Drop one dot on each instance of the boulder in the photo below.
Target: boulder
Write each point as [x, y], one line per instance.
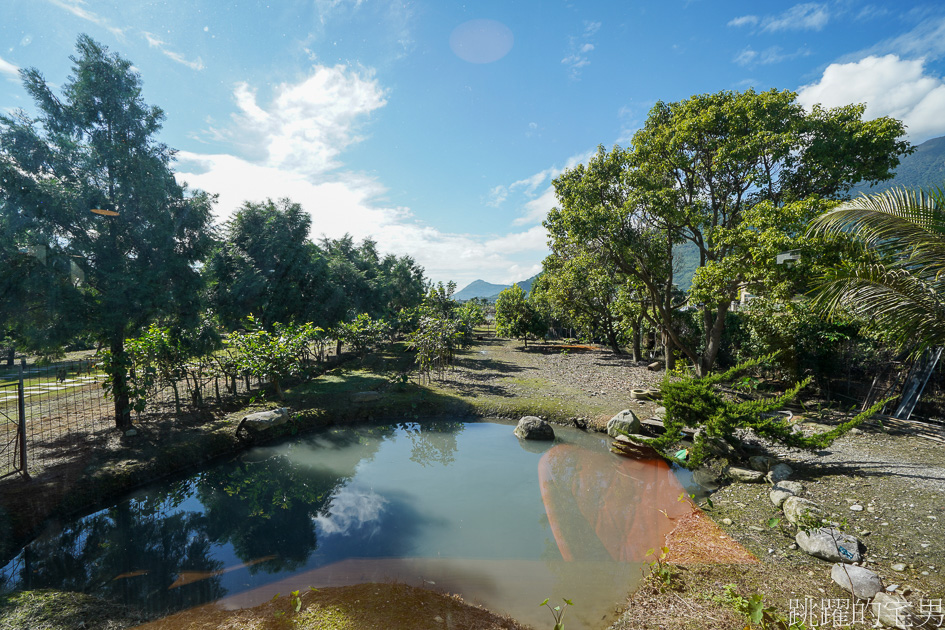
[534, 428]
[863, 583]
[797, 509]
[778, 473]
[829, 544]
[660, 412]
[263, 420]
[624, 423]
[761, 462]
[795, 487]
[745, 475]
[779, 495]
[365, 397]
[893, 610]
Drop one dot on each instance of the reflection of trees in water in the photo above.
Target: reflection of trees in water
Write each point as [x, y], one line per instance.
[433, 442]
[133, 552]
[265, 509]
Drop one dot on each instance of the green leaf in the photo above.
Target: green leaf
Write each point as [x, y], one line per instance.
[543, 603]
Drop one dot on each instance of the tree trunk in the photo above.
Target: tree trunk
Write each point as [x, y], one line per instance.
[120, 383]
[612, 340]
[637, 333]
[714, 326]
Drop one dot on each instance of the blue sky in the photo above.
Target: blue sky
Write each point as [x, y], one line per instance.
[436, 127]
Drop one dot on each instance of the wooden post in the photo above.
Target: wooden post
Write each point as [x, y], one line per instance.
[21, 412]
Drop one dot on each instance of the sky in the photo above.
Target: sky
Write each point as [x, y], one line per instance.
[436, 127]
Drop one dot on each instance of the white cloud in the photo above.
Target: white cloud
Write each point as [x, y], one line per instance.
[579, 48]
[890, 86]
[801, 17]
[154, 42]
[745, 20]
[293, 148]
[537, 209]
[9, 70]
[497, 196]
[927, 40]
[76, 8]
[308, 124]
[809, 16]
[770, 55]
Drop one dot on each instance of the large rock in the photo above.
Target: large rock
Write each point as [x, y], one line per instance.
[794, 487]
[745, 475]
[263, 420]
[624, 423]
[894, 611]
[829, 544]
[863, 583]
[797, 510]
[778, 473]
[534, 428]
[783, 490]
[761, 462]
[706, 478]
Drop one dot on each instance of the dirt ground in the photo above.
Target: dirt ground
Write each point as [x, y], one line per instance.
[896, 472]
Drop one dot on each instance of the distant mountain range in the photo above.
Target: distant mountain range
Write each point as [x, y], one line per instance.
[489, 291]
[922, 169]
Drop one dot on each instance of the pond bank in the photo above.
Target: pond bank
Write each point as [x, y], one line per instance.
[499, 378]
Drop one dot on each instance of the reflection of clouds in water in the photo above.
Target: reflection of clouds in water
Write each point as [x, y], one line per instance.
[481, 41]
[352, 508]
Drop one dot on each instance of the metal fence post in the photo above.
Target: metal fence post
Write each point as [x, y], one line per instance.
[21, 412]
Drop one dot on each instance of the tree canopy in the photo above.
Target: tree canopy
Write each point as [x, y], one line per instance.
[721, 171]
[87, 180]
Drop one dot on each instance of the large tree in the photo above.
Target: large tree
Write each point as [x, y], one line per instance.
[88, 180]
[711, 170]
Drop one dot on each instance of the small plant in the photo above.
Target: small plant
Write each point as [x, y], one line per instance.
[295, 600]
[755, 612]
[557, 611]
[660, 568]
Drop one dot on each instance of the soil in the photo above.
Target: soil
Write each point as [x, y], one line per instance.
[895, 471]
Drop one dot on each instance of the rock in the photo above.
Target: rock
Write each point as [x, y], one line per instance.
[131, 432]
[898, 567]
[778, 496]
[797, 509]
[263, 420]
[655, 366]
[744, 475]
[761, 462]
[534, 428]
[365, 397]
[893, 610]
[716, 446]
[779, 473]
[660, 412]
[726, 521]
[856, 507]
[624, 423]
[829, 544]
[795, 487]
[863, 583]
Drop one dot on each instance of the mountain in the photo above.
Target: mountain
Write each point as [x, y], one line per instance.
[922, 169]
[483, 289]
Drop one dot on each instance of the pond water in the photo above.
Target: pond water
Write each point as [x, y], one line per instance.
[461, 507]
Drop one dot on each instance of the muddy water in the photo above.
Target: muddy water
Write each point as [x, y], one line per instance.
[462, 507]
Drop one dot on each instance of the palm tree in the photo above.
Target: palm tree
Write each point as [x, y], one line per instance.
[898, 285]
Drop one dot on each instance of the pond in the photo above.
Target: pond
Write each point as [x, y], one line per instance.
[461, 507]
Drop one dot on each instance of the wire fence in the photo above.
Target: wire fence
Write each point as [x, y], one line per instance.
[63, 406]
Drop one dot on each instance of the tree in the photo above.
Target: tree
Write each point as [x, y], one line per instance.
[699, 170]
[88, 180]
[898, 287]
[516, 317]
[268, 266]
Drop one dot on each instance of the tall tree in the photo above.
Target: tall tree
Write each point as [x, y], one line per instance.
[87, 179]
[267, 266]
[696, 172]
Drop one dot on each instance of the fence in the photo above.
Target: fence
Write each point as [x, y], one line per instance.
[49, 411]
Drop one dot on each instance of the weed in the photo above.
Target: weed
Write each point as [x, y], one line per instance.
[660, 568]
[557, 611]
[754, 611]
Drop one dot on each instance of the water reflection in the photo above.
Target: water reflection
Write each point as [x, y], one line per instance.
[461, 505]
